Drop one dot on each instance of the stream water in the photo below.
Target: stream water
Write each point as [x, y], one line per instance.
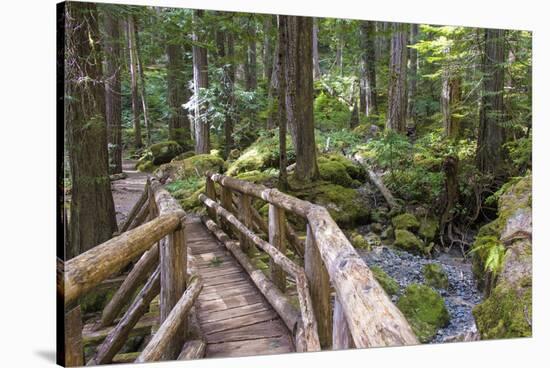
[460, 297]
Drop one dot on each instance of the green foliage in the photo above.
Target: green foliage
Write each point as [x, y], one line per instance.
[330, 113]
[491, 250]
[390, 151]
[358, 241]
[406, 221]
[406, 240]
[425, 310]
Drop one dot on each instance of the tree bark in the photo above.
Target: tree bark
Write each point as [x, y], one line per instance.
[92, 212]
[229, 118]
[130, 33]
[251, 78]
[142, 90]
[367, 102]
[297, 61]
[316, 65]
[450, 98]
[397, 91]
[113, 100]
[178, 121]
[200, 78]
[491, 133]
[268, 49]
[413, 68]
[281, 91]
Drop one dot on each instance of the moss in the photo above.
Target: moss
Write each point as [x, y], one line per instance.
[387, 282]
[258, 177]
[95, 301]
[184, 155]
[506, 313]
[335, 172]
[425, 310]
[387, 233]
[405, 221]
[373, 240]
[262, 154]
[145, 166]
[344, 204]
[435, 276]
[354, 170]
[193, 166]
[428, 228]
[164, 152]
[406, 240]
[359, 242]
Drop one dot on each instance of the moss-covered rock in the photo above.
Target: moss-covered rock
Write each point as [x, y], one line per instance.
[184, 155]
[506, 313]
[145, 166]
[406, 240]
[373, 240]
[262, 154]
[344, 204]
[428, 228]
[387, 282]
[435, 276]
[164, 152]
[196, 165]
[334, 172]
[259, 177]
[358, 241]
[425, 310]
[387, 233]
[405, 221]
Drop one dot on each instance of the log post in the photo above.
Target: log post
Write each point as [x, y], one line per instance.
[245, 215]
[170, 329]
[211, 193]
[173, 274]
[227, 203]
[135, 278]
[136, 209]
[341, 337]
[277, 239]
[74, 352]
[319, 283]
[141, 216]
[117, 337]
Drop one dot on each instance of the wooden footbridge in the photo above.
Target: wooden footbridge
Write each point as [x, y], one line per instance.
[194, 290]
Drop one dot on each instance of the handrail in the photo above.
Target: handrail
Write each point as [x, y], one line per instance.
[372, 318]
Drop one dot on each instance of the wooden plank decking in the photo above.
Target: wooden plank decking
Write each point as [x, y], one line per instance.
[234, 316]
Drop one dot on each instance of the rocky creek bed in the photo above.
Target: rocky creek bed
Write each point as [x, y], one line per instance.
[460, 297]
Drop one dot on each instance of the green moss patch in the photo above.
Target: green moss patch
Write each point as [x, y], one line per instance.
[358, 241]
[425, 310]
[387, 282]
[435, 276]
[406, 240]
[406, 221]
[428, 228]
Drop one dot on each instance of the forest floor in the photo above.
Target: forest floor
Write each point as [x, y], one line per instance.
[127, 191]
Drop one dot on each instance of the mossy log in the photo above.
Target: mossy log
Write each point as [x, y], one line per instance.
[279, 301]
[162, 340]
[379, 184]
[131, 283]
[84, 272]
[117, 337]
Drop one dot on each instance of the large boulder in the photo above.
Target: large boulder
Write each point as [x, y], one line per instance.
[503, 264]
[157, 154]
[196, 165]
[425, 310]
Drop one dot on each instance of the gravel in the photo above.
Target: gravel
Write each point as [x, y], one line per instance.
[461, 296]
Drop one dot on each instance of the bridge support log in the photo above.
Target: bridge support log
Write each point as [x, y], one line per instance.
[84, 272]
[167, 333]
[277, 239]
[117, 337]
[136, 209]
[372, 318]
[131, 283]
[192, 349]
[341, 337]
[245, 215]
[227, 203]
[141, 216]
[74, 351]
[319, 282]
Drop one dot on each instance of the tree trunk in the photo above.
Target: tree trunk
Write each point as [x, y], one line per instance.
[142, 90]
[130, 32]
[92, 213]
[297, 61]
[491, 133]
[450, 98]
[268, 49]
[113, 101]
[367, 102]
[273, 92]
[316, 66]
[281, 89]
[250, 67]
[230, 85]
[178, 121]
[413, 68]
[397, 91]
[200, 78]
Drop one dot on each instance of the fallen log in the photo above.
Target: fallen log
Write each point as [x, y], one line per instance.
[172, 324]
[117, 337]
[379, 184]
[84, 272]
[135, 278]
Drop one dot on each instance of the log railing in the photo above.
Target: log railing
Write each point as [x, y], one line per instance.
[160, 254]
[363, 315]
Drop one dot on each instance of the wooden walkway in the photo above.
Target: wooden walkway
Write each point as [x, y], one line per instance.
[233, 315]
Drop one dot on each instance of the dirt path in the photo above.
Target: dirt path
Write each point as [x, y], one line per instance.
[126, 192]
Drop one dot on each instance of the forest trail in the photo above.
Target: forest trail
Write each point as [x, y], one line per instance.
[234, 316]
[127, 191]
